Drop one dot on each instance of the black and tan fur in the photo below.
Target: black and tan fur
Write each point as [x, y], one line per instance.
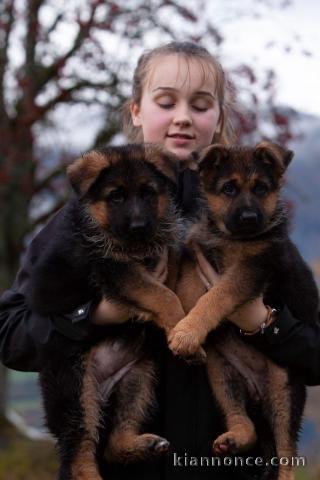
[243, 233]
[121, 220]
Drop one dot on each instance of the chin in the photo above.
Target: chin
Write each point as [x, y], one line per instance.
[182, 154]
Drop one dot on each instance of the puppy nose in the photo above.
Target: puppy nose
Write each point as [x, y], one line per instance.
[247, 216]
[138, 226]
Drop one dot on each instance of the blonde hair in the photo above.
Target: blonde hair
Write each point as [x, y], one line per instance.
[209, 66]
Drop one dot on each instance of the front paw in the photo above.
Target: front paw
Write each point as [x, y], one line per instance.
[185, 341]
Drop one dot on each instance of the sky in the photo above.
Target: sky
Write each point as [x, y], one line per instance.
[286, 40]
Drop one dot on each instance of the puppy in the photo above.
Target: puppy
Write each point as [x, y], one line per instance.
[113, 232]
[243, 233]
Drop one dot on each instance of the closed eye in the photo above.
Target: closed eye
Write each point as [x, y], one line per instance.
[199, 109]
[166, 105]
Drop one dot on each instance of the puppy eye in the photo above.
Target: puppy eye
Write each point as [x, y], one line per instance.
[230, 189]
[147, 191]
[116, 196]
[260, 189]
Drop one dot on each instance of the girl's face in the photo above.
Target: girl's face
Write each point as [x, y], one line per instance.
[179, 108]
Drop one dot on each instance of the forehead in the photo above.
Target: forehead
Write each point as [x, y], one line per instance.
[187, 74]
[128, 172]
[242, 168]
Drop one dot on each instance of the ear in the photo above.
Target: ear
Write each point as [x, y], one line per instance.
[83, 172]
[164, 161]
[212, 157]
[273, 156]
[135, 114]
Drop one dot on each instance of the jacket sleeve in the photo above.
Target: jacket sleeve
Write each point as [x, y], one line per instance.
[25, 336]
[292, 344]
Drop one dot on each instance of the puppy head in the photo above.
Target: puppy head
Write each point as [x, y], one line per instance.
[126, 189]
[242, 186]
[84, 171]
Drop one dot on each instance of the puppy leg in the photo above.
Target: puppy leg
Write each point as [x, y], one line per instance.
[277, 408]
[72, 414]
[135, 399]
[164, 305]
[153, 297]
[229, 390]
[237, 286]
[84, 465]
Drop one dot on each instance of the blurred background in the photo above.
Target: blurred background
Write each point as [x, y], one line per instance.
[65, 71]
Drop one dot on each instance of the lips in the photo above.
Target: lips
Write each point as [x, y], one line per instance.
[183, 136]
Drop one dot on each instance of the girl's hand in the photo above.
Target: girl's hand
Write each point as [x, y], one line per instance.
[251, 315]
[206, 272]
[108, 312]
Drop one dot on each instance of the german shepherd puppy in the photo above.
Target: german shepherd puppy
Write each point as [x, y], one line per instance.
[113, 232]
[243, 233]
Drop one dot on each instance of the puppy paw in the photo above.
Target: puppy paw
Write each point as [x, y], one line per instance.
[185, 342]
[225, 444]
[198, 358]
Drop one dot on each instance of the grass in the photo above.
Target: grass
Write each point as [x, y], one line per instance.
[25, 459]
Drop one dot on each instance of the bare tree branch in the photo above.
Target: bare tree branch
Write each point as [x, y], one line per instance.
[65, 95]
[29, 79]
[54, 24]
[49, 73]
[47, 180]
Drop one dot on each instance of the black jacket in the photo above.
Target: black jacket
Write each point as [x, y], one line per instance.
[186, 414]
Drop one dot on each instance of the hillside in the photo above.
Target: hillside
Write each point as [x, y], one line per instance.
[303, 188]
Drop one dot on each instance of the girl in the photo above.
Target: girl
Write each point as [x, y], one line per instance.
[181, 101]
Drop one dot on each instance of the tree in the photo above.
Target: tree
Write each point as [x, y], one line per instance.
[55, 54]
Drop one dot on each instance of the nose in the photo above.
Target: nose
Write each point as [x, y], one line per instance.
[138, 226]
[182, 116]
[248, 217]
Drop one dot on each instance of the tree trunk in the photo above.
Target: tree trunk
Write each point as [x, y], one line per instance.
[17, 164]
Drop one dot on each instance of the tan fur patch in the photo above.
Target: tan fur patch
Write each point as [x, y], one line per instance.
[219, 207]
[162, 205]
[83, 171]
[241, 431]
[84, 466]
[99, 211]
[126, 443]
[155, 298]
[269, 203]
[190, 287]
[280, 401]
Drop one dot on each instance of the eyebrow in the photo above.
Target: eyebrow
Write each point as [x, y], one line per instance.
[172, 89]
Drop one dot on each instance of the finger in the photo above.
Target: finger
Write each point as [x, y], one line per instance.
[163, 277]
[161, 265]
[108, 312]
[203, 279]
[206, 268]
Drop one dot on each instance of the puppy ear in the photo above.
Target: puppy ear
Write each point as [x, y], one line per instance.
[164, 161]
[212, 157]
[273, 156]
[83, 172]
